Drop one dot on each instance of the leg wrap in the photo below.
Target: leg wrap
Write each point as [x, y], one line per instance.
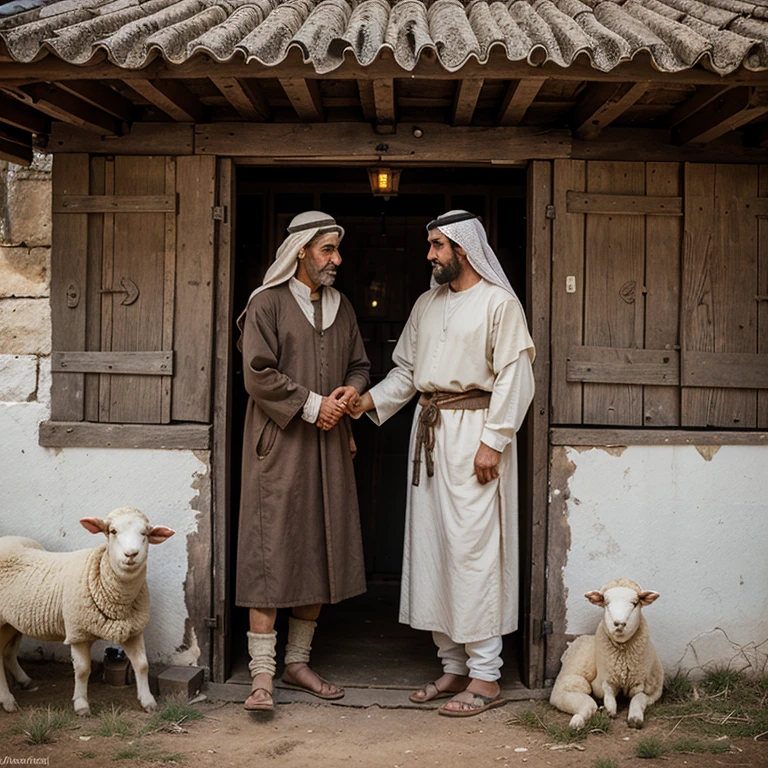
[299, 645]
[262, 651]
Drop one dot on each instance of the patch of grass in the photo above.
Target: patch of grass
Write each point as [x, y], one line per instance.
[176, 757]
[678, 687]
[605, 762]
[147, 754]
[530, 719]
[649, 748]
[721, 680]
[86, 755]
[599, 722]
[38, 725]
[176, 709]
[562, 734]
[113, 722]
[128, 753]
[698, 747]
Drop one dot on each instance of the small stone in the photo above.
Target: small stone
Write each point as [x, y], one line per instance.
[521, 749]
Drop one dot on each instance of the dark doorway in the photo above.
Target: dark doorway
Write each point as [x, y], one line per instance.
[384, 270]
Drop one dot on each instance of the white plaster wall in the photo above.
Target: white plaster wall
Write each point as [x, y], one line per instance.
[691, 524]
[45, 491]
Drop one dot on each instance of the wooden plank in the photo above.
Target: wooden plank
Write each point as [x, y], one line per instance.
[10, 134]
[171, 97]
[75, 434]
[696, 308]
[519, 96]
[762, 290]
[245, 96]
[138, 255]
[621, 437]
[703, 96]
[734, 283]
[614, 286]
[101, 97]
[465, 100]
[141, 139]
[613, 365]
[93, 297]
[68, 285]
[169, 285]
[195, 281]
[141, 363]
[631, 205]
[733, 109]
[439, 143]
[13, 112]
[107, 277]
[567, 307]
[113, 203]
[732, 370]
[539, 259]
[384, 101]
[365, 91]
[304, 96]
[601, 104]
[663, 256]
[15, 153]
[62, 105]
[222, 417]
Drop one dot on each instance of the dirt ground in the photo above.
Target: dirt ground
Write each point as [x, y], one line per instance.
[301, 735]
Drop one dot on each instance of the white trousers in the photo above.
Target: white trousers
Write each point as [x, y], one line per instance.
[480, 660]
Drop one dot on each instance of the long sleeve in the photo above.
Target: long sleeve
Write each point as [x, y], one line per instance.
[359, 368]
[276, 394]
[513, 386]
[397, 389]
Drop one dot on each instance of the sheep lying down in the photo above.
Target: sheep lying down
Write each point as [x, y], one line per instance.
[619, 659]
[78, 598]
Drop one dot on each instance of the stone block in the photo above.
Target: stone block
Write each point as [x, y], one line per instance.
[24, 272]
[25, 327]
[44, 380]
[18, 378]
[181, 681]
[28, 212]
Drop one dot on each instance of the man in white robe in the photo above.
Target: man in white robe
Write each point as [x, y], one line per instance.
[467, 349]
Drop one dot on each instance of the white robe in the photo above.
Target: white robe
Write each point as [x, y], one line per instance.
[460, 561]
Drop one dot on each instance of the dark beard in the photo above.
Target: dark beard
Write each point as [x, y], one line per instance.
[447, 273]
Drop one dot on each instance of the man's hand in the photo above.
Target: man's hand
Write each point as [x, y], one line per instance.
[347, 396]
[363, 404]
[331, 410]
[486, 464]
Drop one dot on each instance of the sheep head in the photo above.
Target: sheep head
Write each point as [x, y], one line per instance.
[129, 535]
[621, 601]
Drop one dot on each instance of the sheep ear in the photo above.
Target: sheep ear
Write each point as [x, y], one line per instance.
[94, 524]
[647, 597]
[159, 534]
[595, 597]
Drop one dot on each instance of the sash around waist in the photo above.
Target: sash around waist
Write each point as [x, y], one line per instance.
[471, 400]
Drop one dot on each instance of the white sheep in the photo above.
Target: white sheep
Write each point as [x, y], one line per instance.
[618, 659]
[79, 597]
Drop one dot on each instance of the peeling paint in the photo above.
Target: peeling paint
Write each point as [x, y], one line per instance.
[707, 451]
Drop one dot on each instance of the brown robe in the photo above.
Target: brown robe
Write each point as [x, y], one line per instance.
[299, 540]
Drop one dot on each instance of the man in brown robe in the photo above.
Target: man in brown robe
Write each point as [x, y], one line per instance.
[299, 543]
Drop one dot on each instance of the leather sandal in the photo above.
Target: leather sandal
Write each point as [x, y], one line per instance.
[260, 706]
[427, 689]
[478, 703]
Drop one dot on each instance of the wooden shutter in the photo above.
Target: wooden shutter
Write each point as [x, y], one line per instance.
[615, 293]
[132, 291]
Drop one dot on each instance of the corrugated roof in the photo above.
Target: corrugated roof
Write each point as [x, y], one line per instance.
[678, 34]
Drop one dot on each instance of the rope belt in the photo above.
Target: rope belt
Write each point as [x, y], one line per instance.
[432, 403]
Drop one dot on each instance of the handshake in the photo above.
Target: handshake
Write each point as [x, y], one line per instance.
[343, 400]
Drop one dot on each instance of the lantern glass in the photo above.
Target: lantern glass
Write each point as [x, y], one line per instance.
[384, 181]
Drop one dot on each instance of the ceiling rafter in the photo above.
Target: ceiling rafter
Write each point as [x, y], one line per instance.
[733, 109]
[703, 96]
[519, 96]
[304, 96]
[27, 118]
[245, 96]
[171, 97]
[65, 106]
[384, 101]
[465, 100]
[100, 96]
[601, 104]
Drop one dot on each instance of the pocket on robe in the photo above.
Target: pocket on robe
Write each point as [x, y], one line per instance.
[266, 439]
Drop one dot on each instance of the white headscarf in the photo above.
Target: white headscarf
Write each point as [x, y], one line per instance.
[469, 233]
[302, 230]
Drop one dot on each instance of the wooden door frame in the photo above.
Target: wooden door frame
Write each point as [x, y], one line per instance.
[538, 260]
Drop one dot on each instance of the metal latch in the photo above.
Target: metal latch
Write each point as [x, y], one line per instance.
[219, 212]
[212, 622]
[549, 212]
[130, 289]
[546, 628]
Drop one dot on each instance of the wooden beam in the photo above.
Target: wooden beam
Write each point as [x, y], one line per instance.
[133, 363]
[141, 139]
[365, 89]
[704, 95]
[15, 153]
[638, 205]
[15, 136]
[83, 434]
[601, 104]
[245, 96]
[738, 370]
[100, 96]
[520, 95]
[170, 97]
[384, 101]
[13, 112]
[304, 95]
[62, 105]
[114, 203]
[614, 365]
[465, 100]
[733, 109]
[610, 437]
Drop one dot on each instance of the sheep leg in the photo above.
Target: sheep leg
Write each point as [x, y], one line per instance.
[137, 655]
[637, 706]
[7, 633]
[571, 694]
[12, 662]
[81, 661]
[609, 699]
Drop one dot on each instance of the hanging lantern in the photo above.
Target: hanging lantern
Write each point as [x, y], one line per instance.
[384, 181]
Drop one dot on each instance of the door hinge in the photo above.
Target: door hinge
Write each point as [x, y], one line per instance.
[549, 212]
[219, 212]
[546, 628]
[212, 622]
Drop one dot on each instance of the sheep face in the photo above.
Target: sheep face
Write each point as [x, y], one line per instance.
[129, 535]
[621, 609]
